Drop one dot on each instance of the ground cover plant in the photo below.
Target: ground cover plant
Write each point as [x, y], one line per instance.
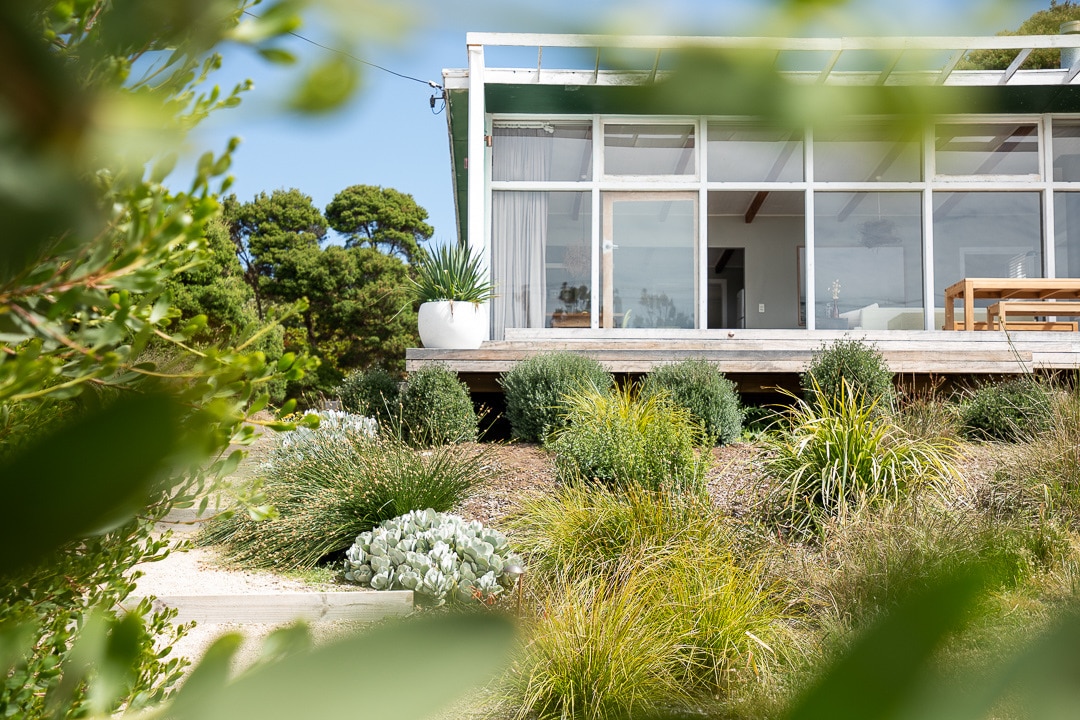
[536, 388]
[700, 388]
[439, 556]
[333, 485]
[623, 438]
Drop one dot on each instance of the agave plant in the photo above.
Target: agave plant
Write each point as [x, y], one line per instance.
[452, 273]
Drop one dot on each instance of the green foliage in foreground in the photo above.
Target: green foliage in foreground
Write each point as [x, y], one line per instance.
[700, 388]
[851, 366]
[840, 453]
[1013, 410]
[334, 486]
[535, 391]
[436, 408]
[646, 606]
[623, 439]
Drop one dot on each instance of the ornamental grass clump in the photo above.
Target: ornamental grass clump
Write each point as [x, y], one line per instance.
[337, 488]
[442, 558]
[623, 439]
[535, 390]
[703, 390]
[647, 604]
[841, 452]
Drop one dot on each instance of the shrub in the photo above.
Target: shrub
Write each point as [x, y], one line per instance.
[535, 388]
[373, 393]
[436, 408]
[623, 439]
[330, 489]
[842, 452]
[700, 388]
[860, 365]
[640, 617]
[438, 556]
[1009, 411]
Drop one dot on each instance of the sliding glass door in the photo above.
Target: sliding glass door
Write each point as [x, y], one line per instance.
[648, 260]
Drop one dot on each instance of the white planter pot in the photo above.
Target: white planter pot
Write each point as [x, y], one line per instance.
[453, 325]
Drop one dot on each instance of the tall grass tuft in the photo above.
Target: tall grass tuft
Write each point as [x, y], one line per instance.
[586, 529]
[842, 452]
[647, 604]
[1043, 479]
[333, 489]
[620, 438]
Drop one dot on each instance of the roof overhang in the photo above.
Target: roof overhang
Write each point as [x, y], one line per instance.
[756, 76]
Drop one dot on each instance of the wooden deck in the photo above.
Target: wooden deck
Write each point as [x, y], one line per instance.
[751, 357]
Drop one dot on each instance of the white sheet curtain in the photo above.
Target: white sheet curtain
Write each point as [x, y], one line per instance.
[519, 230]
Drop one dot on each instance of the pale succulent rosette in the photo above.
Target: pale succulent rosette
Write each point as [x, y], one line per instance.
[439, 556]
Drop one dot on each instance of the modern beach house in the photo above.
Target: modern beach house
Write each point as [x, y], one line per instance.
[645, 199]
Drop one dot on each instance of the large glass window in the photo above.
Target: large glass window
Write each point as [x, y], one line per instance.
[649, 149]
[542, 151]
[748, 154]
[985, 234]
[866, 153]
[987, 149]
[868, 260]
[1066, 152]
[1067, 234]
[542, 262]
[648, 260]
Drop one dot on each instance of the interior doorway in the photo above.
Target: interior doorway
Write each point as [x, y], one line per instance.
[727, 287]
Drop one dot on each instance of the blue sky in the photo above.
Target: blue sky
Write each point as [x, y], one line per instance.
[388, 135]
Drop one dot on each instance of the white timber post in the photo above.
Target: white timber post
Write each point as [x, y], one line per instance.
[477, 160]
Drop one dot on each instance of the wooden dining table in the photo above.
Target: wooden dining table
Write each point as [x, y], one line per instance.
[969, 290]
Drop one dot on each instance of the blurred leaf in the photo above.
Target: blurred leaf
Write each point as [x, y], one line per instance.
[326, 87]
[83, 478]
[266, 23]
[278, 55]
[371, 675]
[891, 663]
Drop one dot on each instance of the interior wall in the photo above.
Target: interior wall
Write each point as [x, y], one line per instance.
[771, 264]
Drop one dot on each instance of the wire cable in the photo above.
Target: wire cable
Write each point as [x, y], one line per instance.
[429, 83]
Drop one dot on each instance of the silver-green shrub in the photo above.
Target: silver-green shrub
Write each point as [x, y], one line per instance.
[439, 556]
